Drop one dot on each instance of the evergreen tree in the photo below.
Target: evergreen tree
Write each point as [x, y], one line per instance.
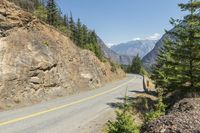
[72, 28]
[52, 12]
[80, 36]
[65, 20]
[136, 65]
[85, 34]
[178, 64]
[124, 121]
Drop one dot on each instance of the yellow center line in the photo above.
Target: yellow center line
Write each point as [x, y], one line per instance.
[62, 106]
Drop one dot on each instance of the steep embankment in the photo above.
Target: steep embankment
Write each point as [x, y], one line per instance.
[39, 63]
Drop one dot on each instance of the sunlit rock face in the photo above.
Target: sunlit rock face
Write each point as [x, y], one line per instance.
[38, 63]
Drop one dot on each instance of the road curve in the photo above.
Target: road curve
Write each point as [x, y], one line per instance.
[68, 114]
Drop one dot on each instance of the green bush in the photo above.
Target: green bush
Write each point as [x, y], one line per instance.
[124, 121]
[124, 124]
[113, 67]
[158, 111]
[41, 13]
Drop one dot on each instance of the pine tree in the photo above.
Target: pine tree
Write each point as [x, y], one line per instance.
[136, 65]
[85, 34]
[52, 12]
[80, 36]
[124, 121]
[72, 28]
[178, 64]
[65, 20]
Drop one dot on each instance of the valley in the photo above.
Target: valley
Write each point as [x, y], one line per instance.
[65, 67]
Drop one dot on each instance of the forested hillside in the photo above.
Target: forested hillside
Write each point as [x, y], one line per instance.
[49, 12]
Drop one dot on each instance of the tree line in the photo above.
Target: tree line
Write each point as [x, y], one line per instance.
[178, 64]
[177, 71]
[49, 12]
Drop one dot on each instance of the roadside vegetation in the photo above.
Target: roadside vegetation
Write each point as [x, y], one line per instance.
[178, 64]
[125, 122]
[176, 74]
[135, 67]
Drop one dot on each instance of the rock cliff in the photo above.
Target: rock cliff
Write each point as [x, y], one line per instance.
[38, 63]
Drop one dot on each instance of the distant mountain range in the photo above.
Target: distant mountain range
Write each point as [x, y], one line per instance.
[132, 48]
[109, 53]
[150, 59]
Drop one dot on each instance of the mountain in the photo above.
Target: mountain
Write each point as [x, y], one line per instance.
[39, 63]
[132, 48]
[110, 54]
[150, 59]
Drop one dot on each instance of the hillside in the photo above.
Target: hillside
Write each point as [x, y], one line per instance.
[132, 48]
[39, 63]
[150, 59]
[110, 54]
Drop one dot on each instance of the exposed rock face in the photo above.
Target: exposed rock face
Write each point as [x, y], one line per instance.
[39, 63]
[183, 118]
[109, 53]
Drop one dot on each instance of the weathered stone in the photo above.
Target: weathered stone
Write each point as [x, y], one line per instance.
[184, 117]
[2, 10]
[2, 18]
[35, 80]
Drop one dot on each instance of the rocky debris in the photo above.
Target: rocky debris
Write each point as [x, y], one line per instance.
[184, 117]
[12, 17]
[38, 63]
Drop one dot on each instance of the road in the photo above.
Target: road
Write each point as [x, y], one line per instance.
[68, 114]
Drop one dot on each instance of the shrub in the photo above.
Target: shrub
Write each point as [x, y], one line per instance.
[124, 124]
[124, 121]
[158, 111]
[113, 67]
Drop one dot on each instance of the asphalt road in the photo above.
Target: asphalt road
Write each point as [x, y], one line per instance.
[68, 114]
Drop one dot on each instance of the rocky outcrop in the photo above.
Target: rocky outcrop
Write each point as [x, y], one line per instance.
[184, 117]
[38, 63]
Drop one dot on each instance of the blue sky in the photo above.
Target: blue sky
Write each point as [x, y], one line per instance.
[117, 21]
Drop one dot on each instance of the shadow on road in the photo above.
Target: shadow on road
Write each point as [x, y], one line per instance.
[142, 102]
[149, 92]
